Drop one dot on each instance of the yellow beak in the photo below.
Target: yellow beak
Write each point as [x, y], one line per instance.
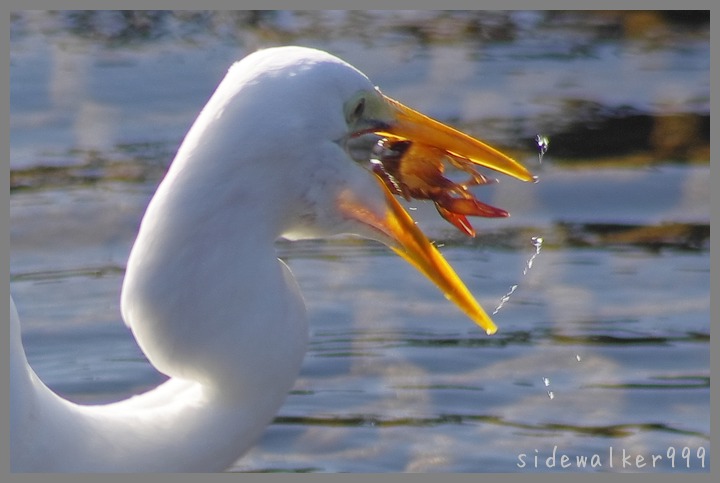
[406, 238]
[414, 246]
[417, 127]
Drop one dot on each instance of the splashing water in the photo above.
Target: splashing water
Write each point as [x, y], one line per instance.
[504, 299]
[543, 142]
[537, 243]
[546, 381]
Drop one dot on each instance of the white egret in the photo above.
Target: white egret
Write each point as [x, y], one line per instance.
[204, 293]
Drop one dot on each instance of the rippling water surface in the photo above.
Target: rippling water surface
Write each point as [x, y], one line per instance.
[603, 348]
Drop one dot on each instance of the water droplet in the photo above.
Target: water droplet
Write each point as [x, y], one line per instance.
[504, 299]
[577, 357]
[543, 143]
[537, 242]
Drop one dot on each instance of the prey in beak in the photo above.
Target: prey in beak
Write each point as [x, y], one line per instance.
[415, 171]
[410, 158]
[409, 161]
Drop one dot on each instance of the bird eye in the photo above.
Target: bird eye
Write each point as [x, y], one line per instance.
[359, 109]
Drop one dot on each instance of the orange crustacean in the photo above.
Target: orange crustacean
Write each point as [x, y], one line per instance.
[416, 171]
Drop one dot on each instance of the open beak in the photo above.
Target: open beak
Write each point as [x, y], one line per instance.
[400, 230]
[418, 128]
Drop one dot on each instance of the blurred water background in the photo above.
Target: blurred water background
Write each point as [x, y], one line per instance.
[604, 343]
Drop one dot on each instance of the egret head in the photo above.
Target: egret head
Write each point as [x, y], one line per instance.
[335, 105]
